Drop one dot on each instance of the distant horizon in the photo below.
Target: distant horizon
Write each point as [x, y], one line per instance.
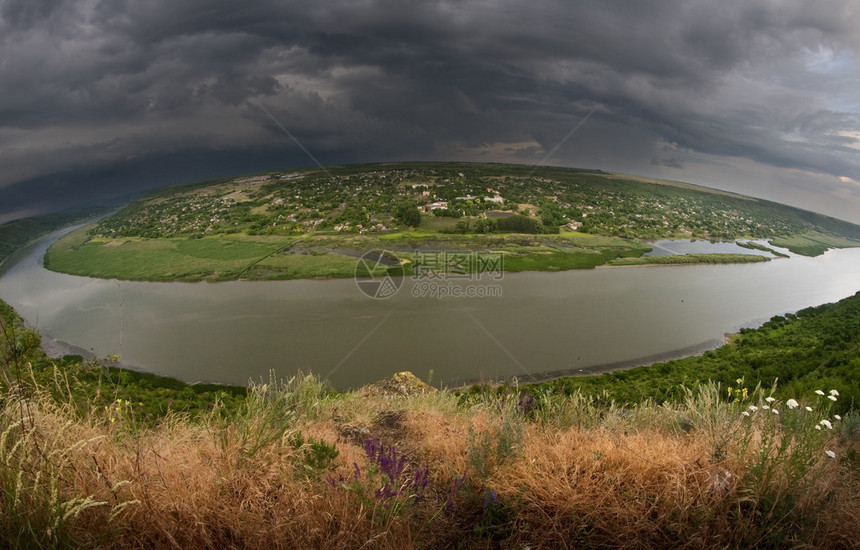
[127, 198]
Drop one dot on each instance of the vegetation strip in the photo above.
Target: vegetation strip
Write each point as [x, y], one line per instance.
[691, 259]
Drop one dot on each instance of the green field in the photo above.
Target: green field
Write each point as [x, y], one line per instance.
[304, 266]
[222, 258]
[272, 257]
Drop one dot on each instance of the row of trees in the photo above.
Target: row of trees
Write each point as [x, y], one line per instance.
[509, 224]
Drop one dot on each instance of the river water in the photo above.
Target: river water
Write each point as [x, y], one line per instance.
[525, 324]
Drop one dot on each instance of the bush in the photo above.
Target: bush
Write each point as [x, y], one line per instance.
[519, 224]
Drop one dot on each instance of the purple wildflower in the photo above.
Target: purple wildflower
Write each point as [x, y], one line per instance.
[386, 458]
[458, 482]
[370, 446]
[420, 481]
[526, 403]
[386, 492]
[491, 500]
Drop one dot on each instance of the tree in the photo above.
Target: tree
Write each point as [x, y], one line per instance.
[484, 225]
[407, 213]
[518, 224]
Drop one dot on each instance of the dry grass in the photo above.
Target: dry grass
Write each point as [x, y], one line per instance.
[623, 480]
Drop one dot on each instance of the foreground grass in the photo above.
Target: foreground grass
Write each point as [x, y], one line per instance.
[294, 466]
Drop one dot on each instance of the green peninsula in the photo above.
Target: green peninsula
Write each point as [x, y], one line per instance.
[315, 222]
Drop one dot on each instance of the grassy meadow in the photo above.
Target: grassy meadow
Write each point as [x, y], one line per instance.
[224, 258]
[239, 256]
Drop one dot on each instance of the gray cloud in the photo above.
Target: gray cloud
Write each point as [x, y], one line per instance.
[118, 86]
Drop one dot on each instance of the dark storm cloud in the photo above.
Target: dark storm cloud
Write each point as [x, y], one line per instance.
[116, 84]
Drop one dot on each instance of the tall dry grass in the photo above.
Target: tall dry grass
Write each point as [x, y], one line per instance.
[500, 472]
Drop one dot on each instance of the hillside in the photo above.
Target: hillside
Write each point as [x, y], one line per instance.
[312, 222]
[17, 233]
[93, 456]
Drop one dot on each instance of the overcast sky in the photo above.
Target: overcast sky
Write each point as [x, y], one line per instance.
[103, 98]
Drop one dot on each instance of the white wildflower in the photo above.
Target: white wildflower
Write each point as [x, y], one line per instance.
[827, 423]
[765, 407]
[809, 409]
[819, 392]
[831, 397]
[745, 413]
[769, 399]
[837, 417]
[753, 408]
[831, 454]
[834, 392]
[817, 427]
[792, 404]
[775, 411]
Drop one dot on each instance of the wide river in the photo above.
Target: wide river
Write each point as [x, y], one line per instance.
[523, 325]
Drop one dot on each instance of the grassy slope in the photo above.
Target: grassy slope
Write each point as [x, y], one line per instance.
[552, 464]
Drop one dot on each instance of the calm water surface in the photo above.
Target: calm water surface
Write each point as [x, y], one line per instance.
[541, 324]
